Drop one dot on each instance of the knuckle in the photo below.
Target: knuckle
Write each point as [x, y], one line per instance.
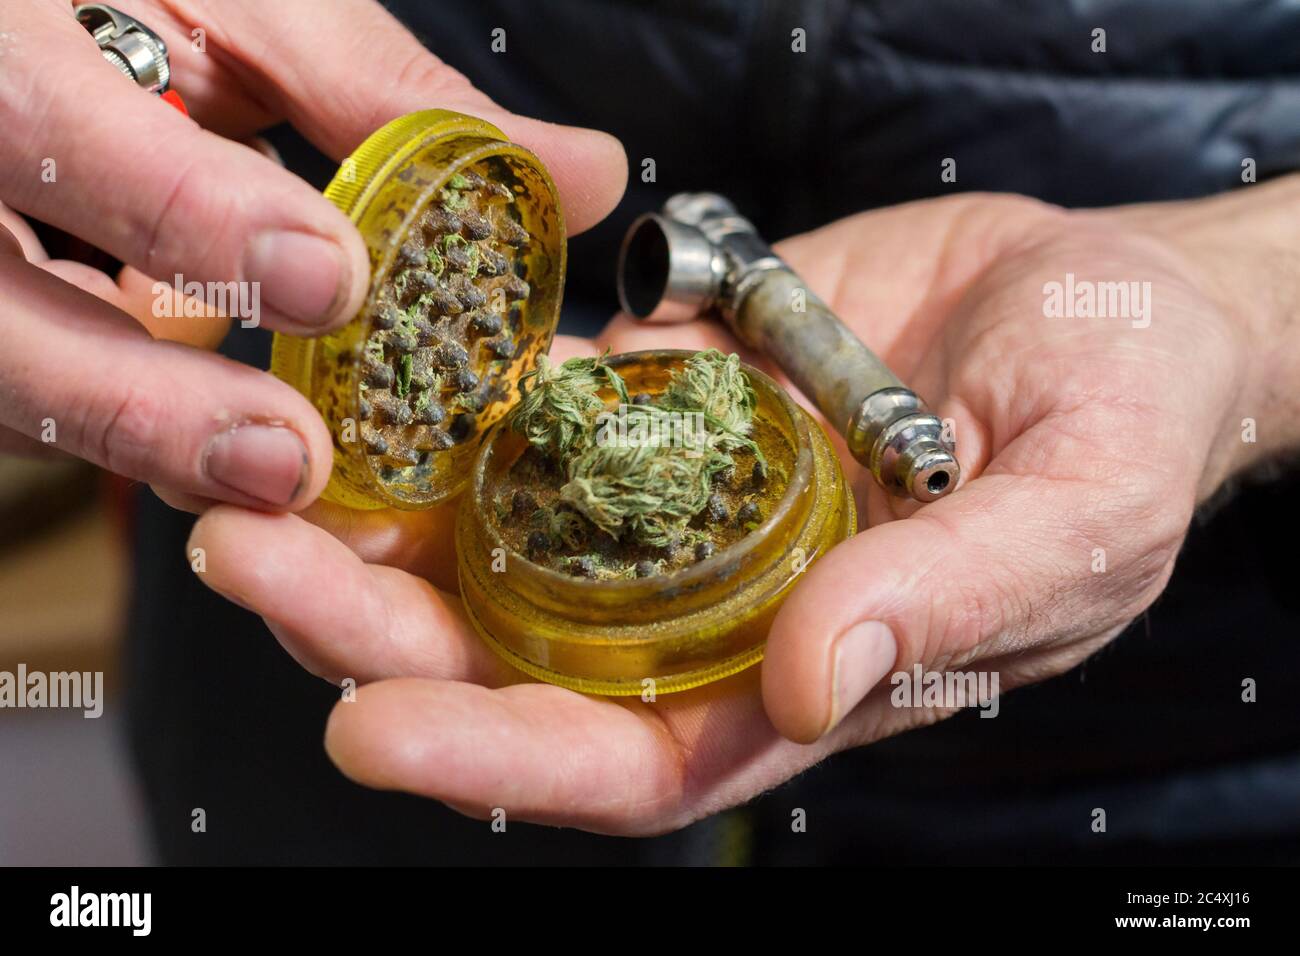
[124, 433]
[976, 612]
[964, 608]
[1037, 218]
[423, 71]
[189, 201]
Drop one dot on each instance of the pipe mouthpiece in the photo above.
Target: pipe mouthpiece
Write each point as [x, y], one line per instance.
[904, 445]
[927, 471]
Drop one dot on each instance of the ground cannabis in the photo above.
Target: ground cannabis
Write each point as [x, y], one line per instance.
[437, 325]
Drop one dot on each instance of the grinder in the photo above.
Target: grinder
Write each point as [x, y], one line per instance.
[700, 255]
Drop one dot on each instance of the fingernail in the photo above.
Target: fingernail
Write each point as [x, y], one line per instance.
[863, 656]
[299, 275]
[267, 462]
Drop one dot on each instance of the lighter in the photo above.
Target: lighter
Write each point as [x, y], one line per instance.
[137, 52]
[699, 255]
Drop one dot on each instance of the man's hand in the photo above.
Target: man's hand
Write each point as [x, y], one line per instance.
[88, 152]
[1085, 444]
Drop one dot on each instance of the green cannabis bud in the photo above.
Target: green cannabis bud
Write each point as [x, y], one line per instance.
[647, 493]
[642, 492]
[560, 403]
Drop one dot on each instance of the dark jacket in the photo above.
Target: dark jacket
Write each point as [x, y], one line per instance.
[1152, 729]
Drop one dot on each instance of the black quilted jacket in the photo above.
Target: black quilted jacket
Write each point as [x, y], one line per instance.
[1151, 729]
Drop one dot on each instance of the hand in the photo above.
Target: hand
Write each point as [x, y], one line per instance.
[88, 152]
[1085, 445]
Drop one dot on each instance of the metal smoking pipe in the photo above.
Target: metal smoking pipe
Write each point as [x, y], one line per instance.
[699, 254]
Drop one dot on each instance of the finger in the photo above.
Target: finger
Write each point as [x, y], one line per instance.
[163, 311]
[182, 201]
[13, 442]
[308, 73]
[418, 542]
[565, 347]
[28, 246]
[83, 375]
[538, 752]
[547, 755]
[168, 313]
[87, 278]
[338, 616]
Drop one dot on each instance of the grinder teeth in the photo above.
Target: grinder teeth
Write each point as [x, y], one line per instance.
[437, 326]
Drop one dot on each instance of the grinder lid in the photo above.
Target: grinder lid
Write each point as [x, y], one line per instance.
[467, 254]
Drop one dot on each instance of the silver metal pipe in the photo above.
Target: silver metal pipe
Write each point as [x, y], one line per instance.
[699, 255]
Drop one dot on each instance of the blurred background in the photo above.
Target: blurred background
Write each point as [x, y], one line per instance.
[67, 794]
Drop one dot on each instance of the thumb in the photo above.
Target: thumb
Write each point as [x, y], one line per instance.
[959, 579]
